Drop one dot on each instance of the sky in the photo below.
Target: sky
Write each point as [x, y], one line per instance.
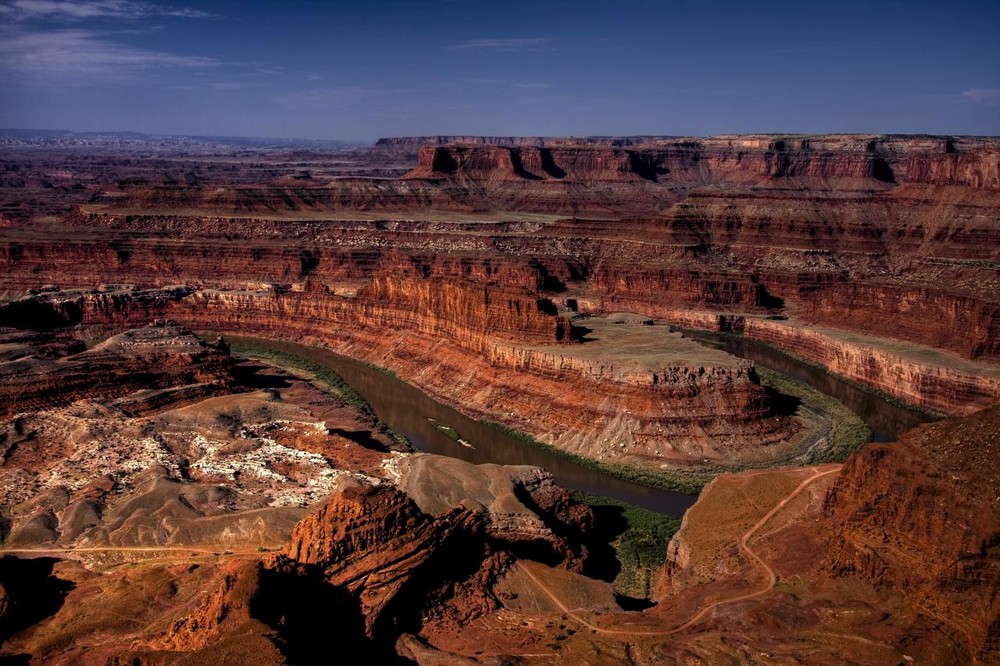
[363, 69]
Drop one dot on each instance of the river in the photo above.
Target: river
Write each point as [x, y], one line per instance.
[887, 420]
[410, 412]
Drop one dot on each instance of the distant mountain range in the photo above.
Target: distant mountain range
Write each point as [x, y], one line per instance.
[137, 140]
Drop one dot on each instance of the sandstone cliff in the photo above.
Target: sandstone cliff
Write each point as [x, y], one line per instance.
[139, 359]
[683, 409]
[848, 158]
[461, 310]
[893, 556]
[922, 517]
[831, 227]
[931, 315]
[377, 544]
[934, 380]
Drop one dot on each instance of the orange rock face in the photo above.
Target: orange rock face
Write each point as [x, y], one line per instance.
[935, 381]
[224, 610]
[886, 559]
[139, 359]
[380, 547]
[461, 356]
[962, 323]
[834, 228]
[851, 158]
[461, 311]
[922, 517]
[876, 256]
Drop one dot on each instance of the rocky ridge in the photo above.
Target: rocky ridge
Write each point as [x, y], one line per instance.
[674, 412]
[922, 517]
[921, 376]
[87, 478]
[152, 438]
[894, 237]
[827, 228]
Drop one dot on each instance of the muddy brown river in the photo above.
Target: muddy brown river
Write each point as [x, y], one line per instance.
[410, 412]
[887, 420]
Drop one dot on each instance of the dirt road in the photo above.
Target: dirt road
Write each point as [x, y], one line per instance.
[744, 543]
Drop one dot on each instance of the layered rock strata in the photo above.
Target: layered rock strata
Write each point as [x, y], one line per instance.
[848, 158]
[399, 561]
[931, 379]
[376, 543]
[888, 236]
[150, 439]
[828, 229]
[888, 560]
[961, 323]
[892, 558]
[922, 517]
[368, 557]
[601, 407]
[833, 228]
[150, 359]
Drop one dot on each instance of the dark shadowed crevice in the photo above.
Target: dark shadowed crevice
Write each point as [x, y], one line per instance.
[33, 593]
[315, 621]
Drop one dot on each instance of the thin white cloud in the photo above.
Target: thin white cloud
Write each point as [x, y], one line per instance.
[531, 86]
[983, 95]
[185, 12]
[25, 10]
[520, 44]
[83, 51]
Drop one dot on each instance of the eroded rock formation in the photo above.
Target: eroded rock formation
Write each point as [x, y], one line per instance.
[829, 228]
[155, 361]
[377, 544]
[894, 557]
[468, 276]
[588, 398]
[922, 517]
[937, 381]
[149, 439]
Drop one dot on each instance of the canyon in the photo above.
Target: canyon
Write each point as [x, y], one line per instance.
[548, 286]
[661, 398]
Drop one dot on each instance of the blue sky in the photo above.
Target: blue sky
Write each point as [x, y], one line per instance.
[357, 69]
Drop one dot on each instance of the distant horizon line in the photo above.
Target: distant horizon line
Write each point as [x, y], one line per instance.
[40, 132]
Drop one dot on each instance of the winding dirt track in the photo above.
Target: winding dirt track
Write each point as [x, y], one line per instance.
[744, 546]
[700, 615]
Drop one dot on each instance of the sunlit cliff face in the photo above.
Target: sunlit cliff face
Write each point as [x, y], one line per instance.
[545, 286]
